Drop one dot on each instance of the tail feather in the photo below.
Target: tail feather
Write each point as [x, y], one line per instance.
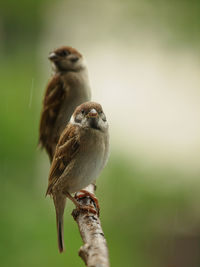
[59, 202]
[60, 233]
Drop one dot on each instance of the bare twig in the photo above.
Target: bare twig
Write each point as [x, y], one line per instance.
[94, 252]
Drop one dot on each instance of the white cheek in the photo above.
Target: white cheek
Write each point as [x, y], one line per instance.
[103, 124]
[72, 120]
[82, 63]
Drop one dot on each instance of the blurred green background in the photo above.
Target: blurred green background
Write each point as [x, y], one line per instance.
[143, 59]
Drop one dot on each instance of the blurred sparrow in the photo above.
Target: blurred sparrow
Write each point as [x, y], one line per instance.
[81, 154]
[68, 88]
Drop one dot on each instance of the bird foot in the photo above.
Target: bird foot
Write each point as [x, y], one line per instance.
[86, 194]
[85, 207]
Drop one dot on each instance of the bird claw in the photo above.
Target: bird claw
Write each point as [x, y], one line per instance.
[89, 209]
[84, 194]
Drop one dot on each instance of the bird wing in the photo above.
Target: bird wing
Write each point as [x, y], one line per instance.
[53, 97]
[67, 147]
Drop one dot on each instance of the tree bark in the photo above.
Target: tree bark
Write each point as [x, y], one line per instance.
[94, 252]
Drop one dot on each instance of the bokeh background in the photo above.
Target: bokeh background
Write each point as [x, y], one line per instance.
[144, 65]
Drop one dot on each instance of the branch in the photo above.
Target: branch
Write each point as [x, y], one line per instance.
[94, 252]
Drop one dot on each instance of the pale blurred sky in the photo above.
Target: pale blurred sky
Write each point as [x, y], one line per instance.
[150, 92]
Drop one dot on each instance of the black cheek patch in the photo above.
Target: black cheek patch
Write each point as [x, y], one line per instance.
[77, 119]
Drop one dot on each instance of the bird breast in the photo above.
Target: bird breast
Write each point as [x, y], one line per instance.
[77, 91]
[89, 161]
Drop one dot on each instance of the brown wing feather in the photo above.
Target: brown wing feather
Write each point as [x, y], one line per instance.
[51, 104]
[66, 149]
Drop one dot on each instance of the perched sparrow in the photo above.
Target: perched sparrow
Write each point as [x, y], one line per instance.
[68, 88]
[81, 154]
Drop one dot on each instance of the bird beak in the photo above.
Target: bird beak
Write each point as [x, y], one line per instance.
[53, 56]
[93, 113]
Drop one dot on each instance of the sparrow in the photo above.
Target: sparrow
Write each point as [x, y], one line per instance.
[68, 88]
[81, 154]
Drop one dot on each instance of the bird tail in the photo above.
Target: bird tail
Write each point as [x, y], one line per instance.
[60, 207]
[61, 245]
